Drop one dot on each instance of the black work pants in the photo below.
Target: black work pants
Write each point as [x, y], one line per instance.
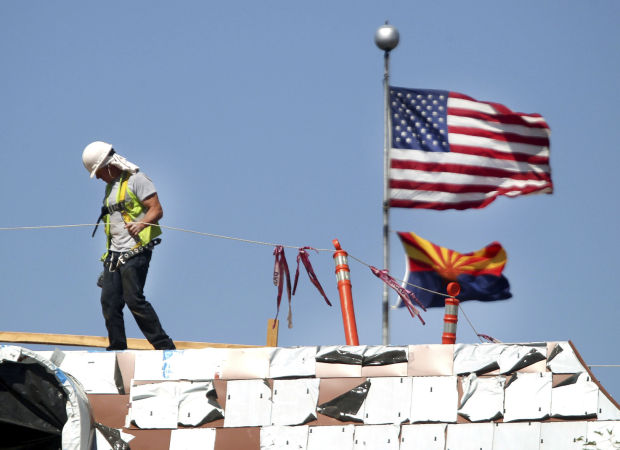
[123, 287]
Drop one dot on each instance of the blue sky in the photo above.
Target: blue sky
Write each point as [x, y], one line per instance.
[264, 121]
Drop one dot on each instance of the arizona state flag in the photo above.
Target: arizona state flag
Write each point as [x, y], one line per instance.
[432, 267]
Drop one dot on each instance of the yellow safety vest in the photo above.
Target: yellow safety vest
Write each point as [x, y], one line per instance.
[133, 210]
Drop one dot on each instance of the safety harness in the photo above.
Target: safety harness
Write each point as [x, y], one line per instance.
[123, 205]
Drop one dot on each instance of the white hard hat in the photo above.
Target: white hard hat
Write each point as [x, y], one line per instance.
[96, 155]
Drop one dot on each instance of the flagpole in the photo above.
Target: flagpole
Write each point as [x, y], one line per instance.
[386, 38]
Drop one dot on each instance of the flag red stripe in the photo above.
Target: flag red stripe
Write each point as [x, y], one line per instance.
[469, 170]
[494, 154]
[462, 188]
[508, 119]
[498, 106]
[400, 203]
[507, 137]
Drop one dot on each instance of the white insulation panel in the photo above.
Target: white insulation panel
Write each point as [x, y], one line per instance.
[284, 438]
[292, 362]
[562, 435]
[192, 439]
[154, 405]
[434, 399]
[470, 436]
[331, 437]
[294, 401]
[248, 403]
[512, 357]
[606, 434]
[562, 359]
[470, 358]
[373, 437]
[528, 397]
[194, 406]
[483, 398]
[94, 370]
[388, 400]
[165, 404]
[516, 436]
[423, 437]
[606, 409]
[579, 399]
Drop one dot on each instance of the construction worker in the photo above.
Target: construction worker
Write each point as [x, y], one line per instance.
[130, 206]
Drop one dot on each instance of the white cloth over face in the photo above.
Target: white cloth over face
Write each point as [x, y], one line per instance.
[120, 162]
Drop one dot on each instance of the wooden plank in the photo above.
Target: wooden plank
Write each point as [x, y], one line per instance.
[272, 332]
[99, 341]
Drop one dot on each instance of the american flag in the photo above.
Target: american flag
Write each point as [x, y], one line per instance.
[450, 151]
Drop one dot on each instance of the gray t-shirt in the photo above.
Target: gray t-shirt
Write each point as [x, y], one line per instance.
[142, 187]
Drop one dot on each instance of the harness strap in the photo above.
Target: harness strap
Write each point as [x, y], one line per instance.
[105, 210]
[120, 200]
